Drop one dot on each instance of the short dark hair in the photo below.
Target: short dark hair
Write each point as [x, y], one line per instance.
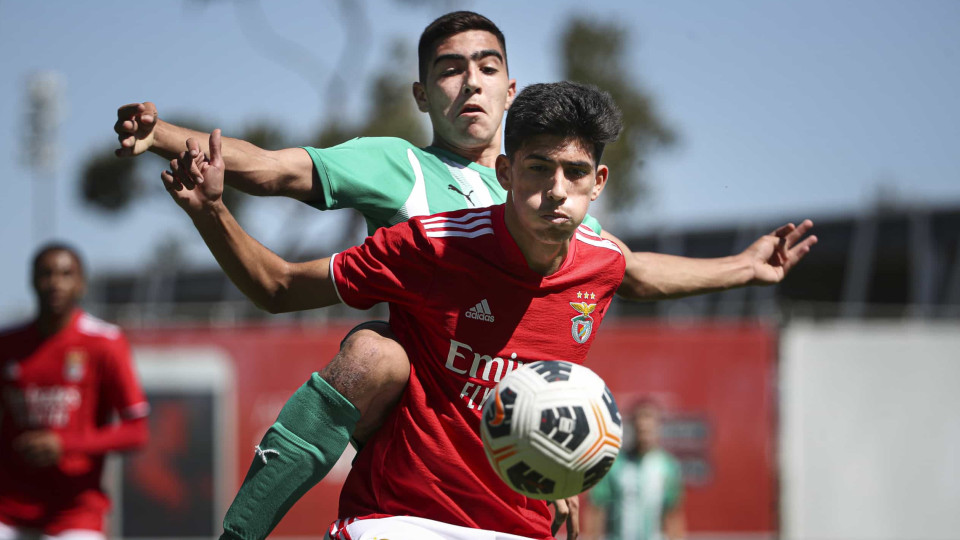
[50, 247]
[452, 24]
[644, 402]
[566, 109]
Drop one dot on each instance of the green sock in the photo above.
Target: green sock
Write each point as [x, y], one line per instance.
[310, 434]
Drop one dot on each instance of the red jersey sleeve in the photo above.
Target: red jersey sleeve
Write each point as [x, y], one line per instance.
[393, 265]
[121, 390]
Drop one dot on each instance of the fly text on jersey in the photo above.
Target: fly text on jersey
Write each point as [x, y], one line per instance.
[461, 359]
[47, 407]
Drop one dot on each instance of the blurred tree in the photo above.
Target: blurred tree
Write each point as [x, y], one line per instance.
[108, 183]
[593, 53]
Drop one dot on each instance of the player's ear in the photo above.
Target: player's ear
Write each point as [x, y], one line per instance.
[504, 172]
[420, 95]
[511, 93]
[601, 175]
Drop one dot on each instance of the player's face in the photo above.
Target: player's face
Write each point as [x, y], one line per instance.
[646, 422]
[58, 281]
[467, 91]
[551, 182]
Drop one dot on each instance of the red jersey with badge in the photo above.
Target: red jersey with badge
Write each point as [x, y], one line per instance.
[72, 382]
[468, 310]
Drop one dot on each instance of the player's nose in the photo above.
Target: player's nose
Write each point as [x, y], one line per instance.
[471, 82]
[558, 188]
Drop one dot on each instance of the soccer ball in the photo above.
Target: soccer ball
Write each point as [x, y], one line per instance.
[551, 429]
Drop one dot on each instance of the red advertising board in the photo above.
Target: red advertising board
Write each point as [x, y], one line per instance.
[715, 382]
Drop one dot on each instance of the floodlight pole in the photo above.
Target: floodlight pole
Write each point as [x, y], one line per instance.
[44, 97]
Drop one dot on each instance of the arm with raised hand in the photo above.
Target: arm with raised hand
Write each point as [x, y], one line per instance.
[271, 282]
[656, 276]
[249, 168]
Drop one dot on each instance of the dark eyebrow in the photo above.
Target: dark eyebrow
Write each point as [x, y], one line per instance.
[479, 55]
[584, 164]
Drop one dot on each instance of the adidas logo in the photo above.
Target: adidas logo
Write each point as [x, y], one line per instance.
[480, 312]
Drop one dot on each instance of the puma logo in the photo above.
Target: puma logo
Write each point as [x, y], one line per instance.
[466, 196]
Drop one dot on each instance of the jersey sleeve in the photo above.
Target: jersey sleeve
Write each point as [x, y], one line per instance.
[394, 265]
[121, 390]
[370, 174]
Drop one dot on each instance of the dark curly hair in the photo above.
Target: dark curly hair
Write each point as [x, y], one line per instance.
[566, 109]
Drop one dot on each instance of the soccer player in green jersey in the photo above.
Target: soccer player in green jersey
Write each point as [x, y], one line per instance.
[465, 88]
[641, 498]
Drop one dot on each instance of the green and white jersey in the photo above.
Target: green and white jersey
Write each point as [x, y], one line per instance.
[390, 180]
[636, 493]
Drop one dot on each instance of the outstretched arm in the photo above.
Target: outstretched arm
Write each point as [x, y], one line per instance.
[247, 167]
[271, 282]
[655, 276]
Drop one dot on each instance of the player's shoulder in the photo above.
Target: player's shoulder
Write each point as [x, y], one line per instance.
[591, 240]
[371, 144]
[662, 458]
[465, 224]
[90, 326]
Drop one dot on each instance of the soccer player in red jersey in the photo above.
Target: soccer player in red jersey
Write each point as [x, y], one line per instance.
[473, 294]
[63, 378]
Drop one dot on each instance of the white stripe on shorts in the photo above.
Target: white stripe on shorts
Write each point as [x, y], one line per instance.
[409, 528]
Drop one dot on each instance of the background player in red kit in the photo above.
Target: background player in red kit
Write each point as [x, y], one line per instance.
[63, 378]
[424, 474]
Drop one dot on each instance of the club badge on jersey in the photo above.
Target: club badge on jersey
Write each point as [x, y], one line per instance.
[582, 325]
[74, 365]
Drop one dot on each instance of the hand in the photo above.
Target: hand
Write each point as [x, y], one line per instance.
[134, 128]
[773, 255]
[40, 448]
[195, 182]
[567, 510]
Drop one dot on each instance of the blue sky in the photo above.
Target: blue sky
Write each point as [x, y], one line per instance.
[785, 110]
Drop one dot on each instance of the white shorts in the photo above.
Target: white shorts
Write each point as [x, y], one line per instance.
[15, 533]
[408, 528]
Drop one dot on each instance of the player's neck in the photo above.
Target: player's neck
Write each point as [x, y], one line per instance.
[50, 323]
[640, 450]
[485, 155]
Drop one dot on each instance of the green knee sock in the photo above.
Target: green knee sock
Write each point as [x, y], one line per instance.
[311, 432]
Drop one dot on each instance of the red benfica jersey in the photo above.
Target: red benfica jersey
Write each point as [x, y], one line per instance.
[468, 310]
[71, 382]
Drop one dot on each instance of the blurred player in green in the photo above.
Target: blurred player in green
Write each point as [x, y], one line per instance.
[465, 88]
[641, 498]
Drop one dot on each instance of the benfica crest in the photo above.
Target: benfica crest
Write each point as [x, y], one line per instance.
[74, 365]
[582, 325]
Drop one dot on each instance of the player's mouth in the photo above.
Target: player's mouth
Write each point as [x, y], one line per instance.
[557, 218]
[57, 299]
[471, 109]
